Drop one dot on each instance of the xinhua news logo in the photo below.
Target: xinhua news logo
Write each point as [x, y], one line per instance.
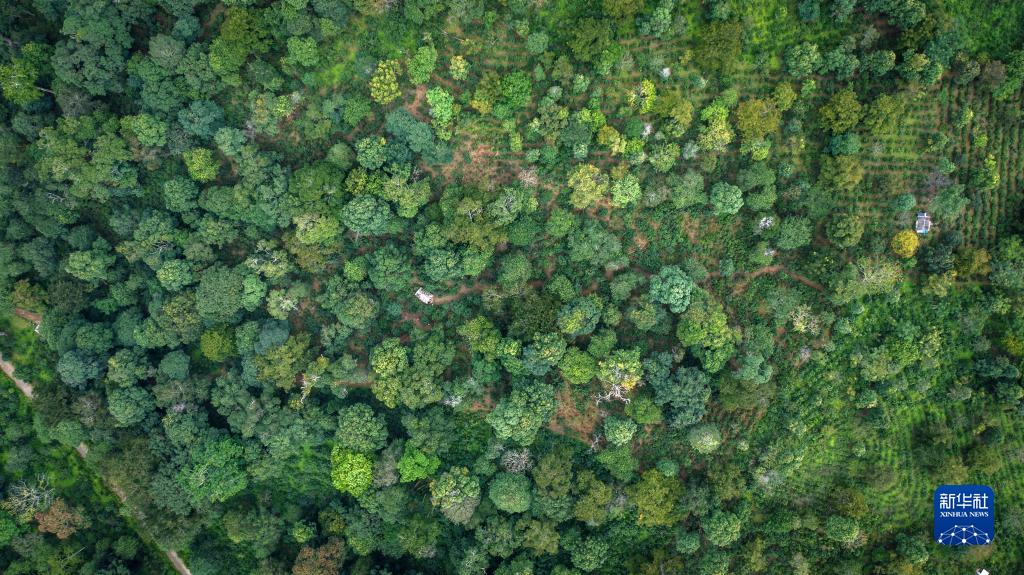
[964, 515]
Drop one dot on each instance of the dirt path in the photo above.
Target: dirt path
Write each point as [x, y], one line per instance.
[214, 14]
[416, 319]
[479, 287]
[419, 97]
[178, 564]
[741, 286]
[738, 288]
[805, 280]
[28, 315]
[24, 386]
[463, 292]
[82, 449]
[569, 421]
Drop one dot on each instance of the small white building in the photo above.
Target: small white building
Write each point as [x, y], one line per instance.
[424, 296]
[923, 223]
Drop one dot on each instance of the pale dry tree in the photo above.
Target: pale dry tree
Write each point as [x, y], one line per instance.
[528, 177]
[308, 381]
[804, 320]
[24, 500]
[616, 392]
[87, 407]
[516, 460]
[805, 354]
[451, 400]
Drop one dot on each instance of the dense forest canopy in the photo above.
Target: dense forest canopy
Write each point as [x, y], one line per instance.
[515, 287]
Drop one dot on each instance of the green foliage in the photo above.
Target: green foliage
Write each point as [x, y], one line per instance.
[841, 174]
[794, 233]
[241, 35]
[619, 431]
[845, 230]
[218, 295]
[715, 133]
[722, 528]
[537, 43]
[625, 191]
[442, 111]
[8, 528]
[664, 157]
[622, 368]
[841, 112]
[655, 496]
[842, 529]
[704, 438]
[545, 353]
[147, 129]
[510, 492]
[367, 215]
[726, 199]
[360, 429]
[129, 406]
[458, 68]
[384, 83]
[351, 472]
[19, 78]
[519, 415]
[718, 46]
[420, 66]
[415, 465]
[579, 316]
[756, 118]
[302, 52]
[223, 225]
[1008, 264]
[577, 367]
[672, 287]
[200, 164]
[588, 185]
[370, 152]
[619, 462]
[885, 113]
[456, 494]
[802, 59]
[589, 38]
[215, 473]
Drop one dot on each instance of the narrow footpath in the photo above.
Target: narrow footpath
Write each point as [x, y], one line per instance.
[83, 450]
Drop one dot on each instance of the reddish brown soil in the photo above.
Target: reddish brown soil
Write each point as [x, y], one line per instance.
[569, 421]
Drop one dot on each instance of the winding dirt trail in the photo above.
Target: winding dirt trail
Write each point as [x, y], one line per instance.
[28, 315]
[178, 564]
[479, 287]
[23, 386]
[738, 288]
[463, 292]
[741, 285]
[82, 449]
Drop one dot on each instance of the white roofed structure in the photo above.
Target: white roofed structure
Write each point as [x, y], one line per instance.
[424, 296]
[923, 223]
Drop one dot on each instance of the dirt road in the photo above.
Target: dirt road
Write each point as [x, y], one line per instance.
[8, 368]
[83, 450]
